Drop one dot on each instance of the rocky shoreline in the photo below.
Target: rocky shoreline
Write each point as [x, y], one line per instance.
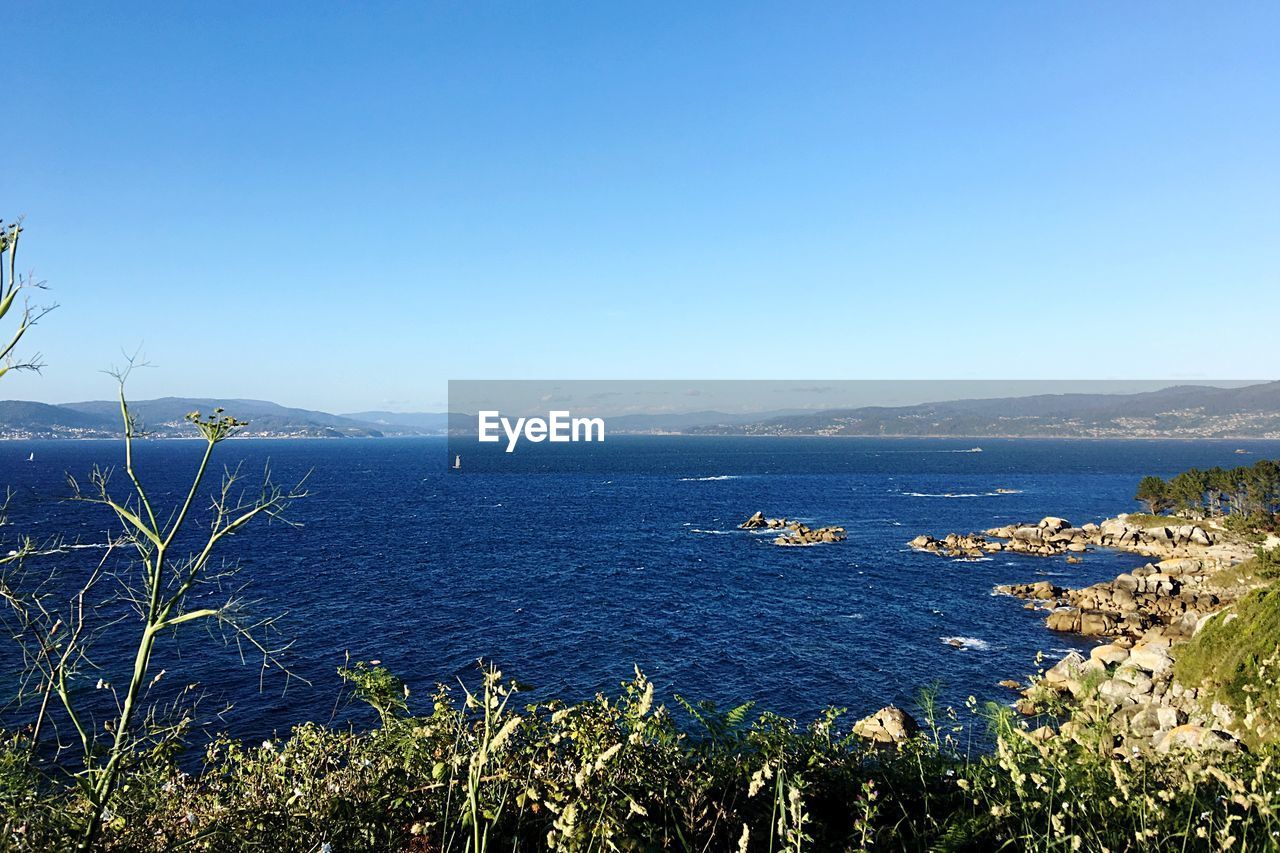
[1123, 696]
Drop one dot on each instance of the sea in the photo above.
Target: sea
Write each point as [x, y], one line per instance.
[569, 566]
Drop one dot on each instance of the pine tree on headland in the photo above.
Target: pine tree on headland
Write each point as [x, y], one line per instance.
[1186, 491]
[1154, 492]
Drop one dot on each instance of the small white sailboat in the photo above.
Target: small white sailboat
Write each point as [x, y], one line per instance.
[457, 463]
[31, 457]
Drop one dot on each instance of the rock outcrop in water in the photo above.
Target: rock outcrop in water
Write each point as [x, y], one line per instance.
[758, 522]
[889, 726]
[793, 532]
[800, 534]
[954, 545]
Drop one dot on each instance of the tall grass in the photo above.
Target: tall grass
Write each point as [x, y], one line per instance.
[478, 772]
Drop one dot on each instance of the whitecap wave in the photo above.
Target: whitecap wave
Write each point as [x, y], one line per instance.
[949, 494]
[967, 643]
[62, 549]
[922, 450]
[708, 479]
[710, 532]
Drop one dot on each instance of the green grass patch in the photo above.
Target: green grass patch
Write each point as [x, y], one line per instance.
[1235, 658]
[1145, 519]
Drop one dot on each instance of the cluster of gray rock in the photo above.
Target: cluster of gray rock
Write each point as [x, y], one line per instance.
[955, 545]
[1127, 684]
[1050, 536]
[1053, 535]
[1171, 596]
[793, 532]
[1168, 599]
[1126, 699]
[1129, 689]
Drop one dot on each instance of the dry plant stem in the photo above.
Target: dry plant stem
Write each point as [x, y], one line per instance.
[11, 284]
[166, 586]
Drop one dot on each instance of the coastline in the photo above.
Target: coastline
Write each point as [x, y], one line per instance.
[1141, 619]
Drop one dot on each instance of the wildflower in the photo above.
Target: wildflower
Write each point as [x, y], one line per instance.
[326, 847]
[268, 746]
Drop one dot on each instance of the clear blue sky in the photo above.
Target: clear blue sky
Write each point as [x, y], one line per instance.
[341, 206]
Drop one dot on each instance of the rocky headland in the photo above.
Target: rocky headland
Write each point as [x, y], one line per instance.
[1125, 686]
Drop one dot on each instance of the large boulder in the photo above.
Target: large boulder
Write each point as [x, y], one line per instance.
[1199, 536]
[1116, 529]
[1053, 524]
[1138, 680]
[1068, 667]
[1109, 654]
[1153, 659]
[1195, 739]
[1095, 623]
[887, 727]
[755, 522]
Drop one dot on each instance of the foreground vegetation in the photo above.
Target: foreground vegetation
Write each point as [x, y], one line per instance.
[479, 772]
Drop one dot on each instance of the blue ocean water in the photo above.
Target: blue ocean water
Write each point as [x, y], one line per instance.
[570, 564]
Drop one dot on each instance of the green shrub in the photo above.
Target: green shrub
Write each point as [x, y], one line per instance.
[621, 773]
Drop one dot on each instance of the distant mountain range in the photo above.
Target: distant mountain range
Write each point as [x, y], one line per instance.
[166, 418]
[1182, 411]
